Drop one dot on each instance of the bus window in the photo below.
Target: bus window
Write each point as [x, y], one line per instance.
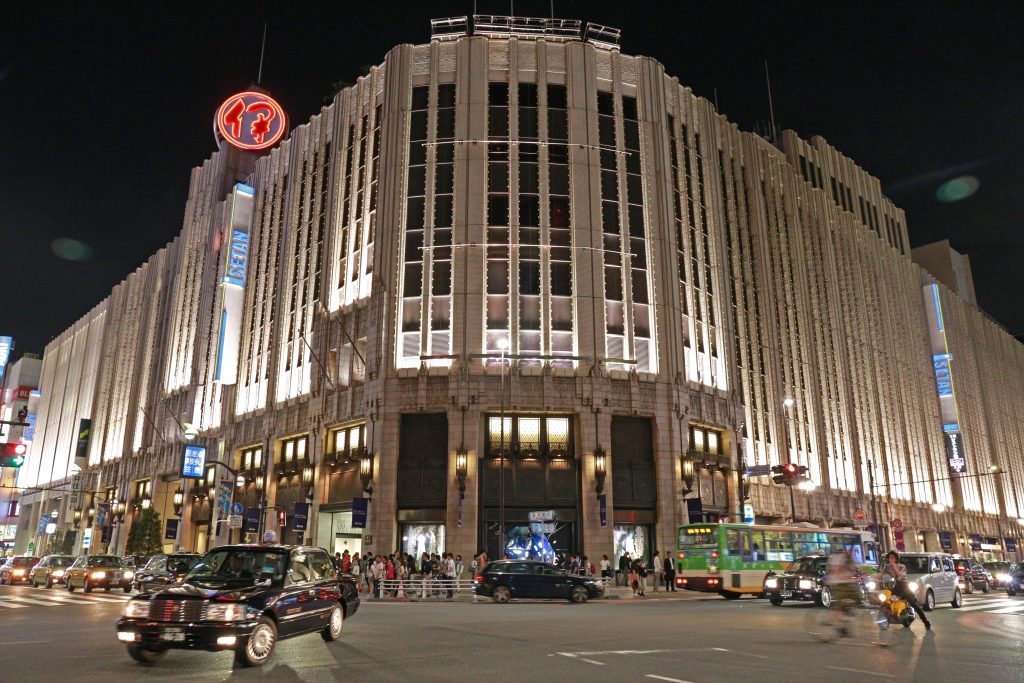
[732, 540]
[870, 553]
[698, 537]
[778, 546]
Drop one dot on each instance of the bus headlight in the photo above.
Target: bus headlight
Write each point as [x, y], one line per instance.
[771, 583]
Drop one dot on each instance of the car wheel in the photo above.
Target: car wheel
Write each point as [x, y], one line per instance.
[501, 595]
[825, 597]
[144, 655]
[958, 599]
[929, 601]
[106, 589]
[579, 594]
[86, 586]
[985, 588]
[127, 588]
[259, 645]
[730, 595]
[1010, 590]
[334, 625]
[775, 600]
[67, 584]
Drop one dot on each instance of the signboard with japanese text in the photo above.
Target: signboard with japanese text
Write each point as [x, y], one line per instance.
[955, 453]
[251, 120]
[193, 461]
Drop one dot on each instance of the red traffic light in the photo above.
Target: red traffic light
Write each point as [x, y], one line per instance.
[791, 469]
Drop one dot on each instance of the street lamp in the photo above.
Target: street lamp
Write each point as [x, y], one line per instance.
[307, 480]
[240, 481]
[179, 499]
[461, 469]
[600, 468]
[147, 502]
[366, 473]
[689, 474]
[502, 346]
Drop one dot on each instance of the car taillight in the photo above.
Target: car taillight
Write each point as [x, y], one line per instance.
[479, 578]
[961, 570]
[681, 556]
[682, 581]
[714, 553]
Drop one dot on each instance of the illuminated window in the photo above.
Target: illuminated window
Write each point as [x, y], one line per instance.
[494, 429]
[529, 437]
[558, 436]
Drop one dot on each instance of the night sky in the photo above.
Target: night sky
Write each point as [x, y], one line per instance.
[105, 107]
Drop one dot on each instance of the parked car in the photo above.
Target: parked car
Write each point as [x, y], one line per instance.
[507, 579]
[932, 578]
[804, 580]
[17, 568]
[243, 598]
[50, 570]
[164, 570]
[99, 571]
[1001, 572]
[973, 574]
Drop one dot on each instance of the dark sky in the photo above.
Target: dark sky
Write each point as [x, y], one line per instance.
[105, 107]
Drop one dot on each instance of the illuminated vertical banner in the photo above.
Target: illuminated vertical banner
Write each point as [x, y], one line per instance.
[236, 261]
[6, 347]
[941, 360]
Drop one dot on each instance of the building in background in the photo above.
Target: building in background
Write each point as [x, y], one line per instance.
[19, 394]
[514, 283]
[949, 267]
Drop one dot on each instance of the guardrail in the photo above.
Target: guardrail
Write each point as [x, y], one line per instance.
[437, 589]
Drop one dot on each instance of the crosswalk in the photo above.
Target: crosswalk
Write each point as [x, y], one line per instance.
[989, 605]
[58, 597]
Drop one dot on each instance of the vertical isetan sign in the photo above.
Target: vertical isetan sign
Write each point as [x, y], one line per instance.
[236, 263]
[945, 389]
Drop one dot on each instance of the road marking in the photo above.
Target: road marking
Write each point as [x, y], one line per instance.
[666, 678]
[582, 659]
[10, 604]
[1008, 610]
[735, 652]
[861, 671]
[26, 642]
[30, 601]
[989, 604]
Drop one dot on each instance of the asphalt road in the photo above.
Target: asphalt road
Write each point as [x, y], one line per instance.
[56, 636]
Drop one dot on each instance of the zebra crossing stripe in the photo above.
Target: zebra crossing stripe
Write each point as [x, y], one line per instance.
[10, 604]
[986, 604]
[30, 601]
[1019, 607]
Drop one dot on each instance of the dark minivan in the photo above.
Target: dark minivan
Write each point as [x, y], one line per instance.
[507, 579]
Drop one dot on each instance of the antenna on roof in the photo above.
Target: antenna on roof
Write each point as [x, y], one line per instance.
[771, 107]
[263, 49]
[716, 100]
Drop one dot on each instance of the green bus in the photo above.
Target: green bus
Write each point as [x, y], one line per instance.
[733, 559]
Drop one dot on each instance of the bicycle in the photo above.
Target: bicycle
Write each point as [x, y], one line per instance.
[842, 619]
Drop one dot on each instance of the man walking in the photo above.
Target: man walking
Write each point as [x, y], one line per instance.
[624, 567]
[670, 573]
[656, 569]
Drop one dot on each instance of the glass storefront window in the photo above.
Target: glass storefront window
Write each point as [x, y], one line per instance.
[422, 538]
[632, 539]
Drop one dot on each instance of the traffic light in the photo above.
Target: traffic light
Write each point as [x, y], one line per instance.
[13, 454]
[788, 474]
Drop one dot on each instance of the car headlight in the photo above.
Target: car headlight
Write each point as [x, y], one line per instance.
[129, 575]
[231, 611]
[806, 584]
[1003, 577]
[871, 585]
[19, 572]
[136, 609]
[98, 575]
[58, 573]
[913, 586]
[771, 583]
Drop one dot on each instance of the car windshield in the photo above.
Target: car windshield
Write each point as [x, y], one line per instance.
[103, 561]
[180, 564]
[998, 566]
[915, 565]
[61, 561]
[238, 567]
[25, 561]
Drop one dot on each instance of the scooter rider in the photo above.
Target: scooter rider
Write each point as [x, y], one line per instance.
[898, 572]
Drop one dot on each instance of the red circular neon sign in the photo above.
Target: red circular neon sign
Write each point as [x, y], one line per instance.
[251, 120]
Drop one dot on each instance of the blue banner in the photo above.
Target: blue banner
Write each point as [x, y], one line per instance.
[945, 540]
[602, 509]
[300, 517]
[252, 520]
[359, 508]
[1011, 545]
[171, 530]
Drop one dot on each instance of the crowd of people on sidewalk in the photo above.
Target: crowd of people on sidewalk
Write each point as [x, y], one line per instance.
[376, 574]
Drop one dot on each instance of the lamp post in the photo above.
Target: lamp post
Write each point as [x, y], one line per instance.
[503, 346]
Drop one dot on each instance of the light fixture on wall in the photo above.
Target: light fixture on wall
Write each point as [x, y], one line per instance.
[179, 498]
[240, 481]
[146, 503]
[461, 469]
[307, 479]
[689, 475]
[600, 468]
[258, 481]
[366, 473]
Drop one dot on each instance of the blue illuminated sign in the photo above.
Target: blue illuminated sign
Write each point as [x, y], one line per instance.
[938, 306]
[238, 258]
[951, 427]
[943, 380]
[193, 462]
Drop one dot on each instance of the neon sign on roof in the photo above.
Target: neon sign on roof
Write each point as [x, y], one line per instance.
[251, 120]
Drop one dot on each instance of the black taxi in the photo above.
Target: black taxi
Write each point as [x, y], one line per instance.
[242, 598]
[803, 579]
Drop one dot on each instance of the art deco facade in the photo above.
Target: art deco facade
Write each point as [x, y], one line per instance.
[528, 223]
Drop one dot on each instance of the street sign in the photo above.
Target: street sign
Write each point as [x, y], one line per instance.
[76, 490]
[300, 516]
[86, 539]
[224, 498]
[602, 509]
[542, 516]
[359, 509]
[859, 515]
[759, 470]
[31, 547]
[897, 524]
[171, 530]
[901, 546]
[193, 462]
[748, 513]
[234, 521]
[542, 527]
[237, 508]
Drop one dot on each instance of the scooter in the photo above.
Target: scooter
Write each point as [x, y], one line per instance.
[892, 608]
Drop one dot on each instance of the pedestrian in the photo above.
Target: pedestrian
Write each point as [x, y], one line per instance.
[656, 568]
[641, 574]
[355, 569]
[670, 574]
[459, 567]
[378, 576]
[634, 580]
[346, 561]
[622, 578]
[606, 567]
[450, 574]
[481, 561]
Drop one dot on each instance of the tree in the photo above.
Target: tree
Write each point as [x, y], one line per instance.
[145, 535]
